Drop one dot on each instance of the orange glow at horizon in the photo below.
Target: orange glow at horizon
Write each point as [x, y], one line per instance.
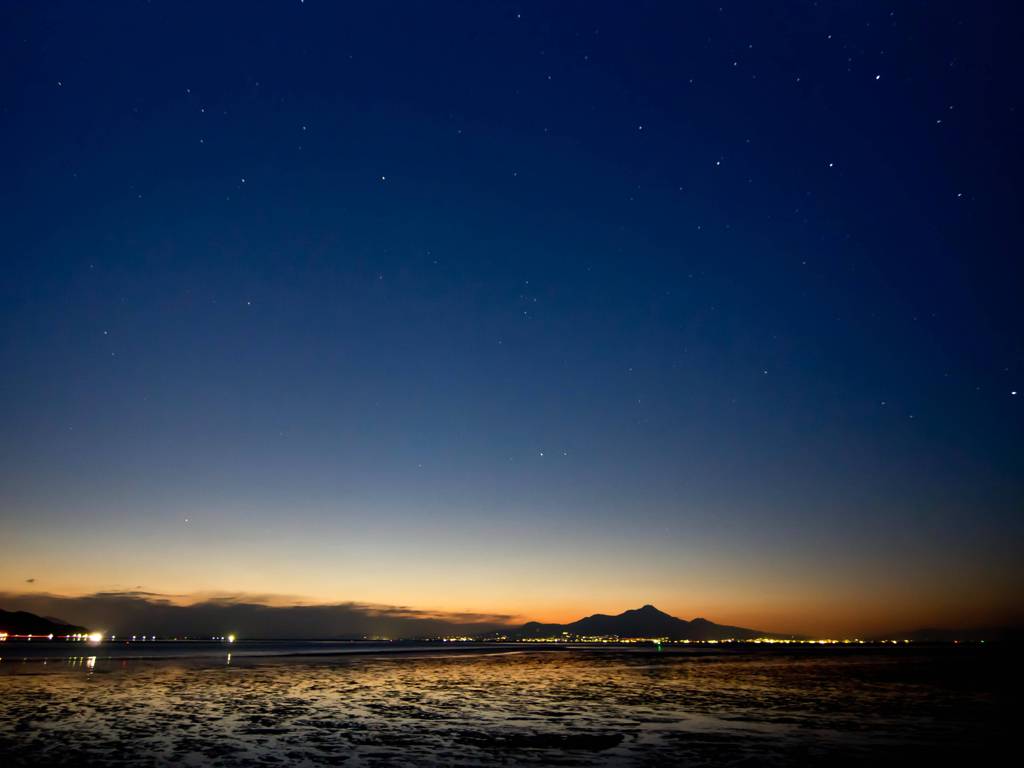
[526, 579]
[808, 615]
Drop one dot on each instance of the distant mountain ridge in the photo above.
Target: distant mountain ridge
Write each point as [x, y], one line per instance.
[25, 623]
[647, 621]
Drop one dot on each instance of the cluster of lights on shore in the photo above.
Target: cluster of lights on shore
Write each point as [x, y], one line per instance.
[95, 637]
[612, 639]
[90, 637]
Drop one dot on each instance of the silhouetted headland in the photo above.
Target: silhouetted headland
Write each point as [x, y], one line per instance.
[25, 623]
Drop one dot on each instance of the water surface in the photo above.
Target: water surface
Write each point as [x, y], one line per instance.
[506, 705]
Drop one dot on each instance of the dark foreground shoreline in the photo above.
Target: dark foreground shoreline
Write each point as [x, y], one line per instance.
[508, 704]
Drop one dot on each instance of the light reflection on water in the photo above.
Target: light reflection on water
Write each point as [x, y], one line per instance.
[473, 709]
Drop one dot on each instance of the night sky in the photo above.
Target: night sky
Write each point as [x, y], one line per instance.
[538, 309]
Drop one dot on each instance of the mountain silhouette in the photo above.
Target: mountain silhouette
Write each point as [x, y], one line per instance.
[647, 621]
[25, 623]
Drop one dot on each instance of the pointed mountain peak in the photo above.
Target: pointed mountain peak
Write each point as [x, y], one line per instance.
[646, 621]
[649, 609]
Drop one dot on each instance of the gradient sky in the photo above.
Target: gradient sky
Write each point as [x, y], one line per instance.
[521, 308]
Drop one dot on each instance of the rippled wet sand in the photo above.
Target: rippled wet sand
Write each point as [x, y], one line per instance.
[551, 708]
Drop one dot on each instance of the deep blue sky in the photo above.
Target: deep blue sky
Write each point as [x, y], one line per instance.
[523, 307]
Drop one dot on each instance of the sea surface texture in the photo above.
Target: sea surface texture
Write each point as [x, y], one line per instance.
[507, 706]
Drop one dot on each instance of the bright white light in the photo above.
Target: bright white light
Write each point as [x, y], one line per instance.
[231, 638]
[95, 637]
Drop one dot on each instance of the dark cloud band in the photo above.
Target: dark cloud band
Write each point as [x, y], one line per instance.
[136, 612]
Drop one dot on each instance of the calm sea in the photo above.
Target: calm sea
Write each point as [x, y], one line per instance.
[357, 704]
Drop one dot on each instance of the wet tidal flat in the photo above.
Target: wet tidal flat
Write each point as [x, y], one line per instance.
[508, 707]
